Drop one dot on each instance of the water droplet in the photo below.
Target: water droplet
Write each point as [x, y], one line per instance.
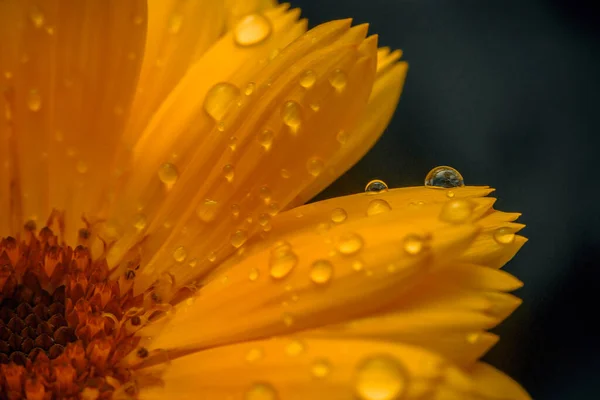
[251, 30]
[308, 78]
[294, 348]
[249, 88]
[291, 114]
[207, 210]
[232, 143]
[282, 260]
[473, 337]
[315, 107]
[238, 238]
[264, 219]
[450, 194]
[321, 272]
[37, 18]
[349, 244]
[180, 254]
[285, 174]
[253, 276]
[254, 354]
[228, 172]
[457, 211]
[212, 256]
[315, 166]
[338, 80]
[273, 208]
[219, 98]
[175, 24]
[444, 177]
[504, 235]
[167, 173]
[288, 320]
[140, 222]
[34, 101]
[413, 244]
[261, 391]
[265, 194]
[378, 206]
[193, 262]
[320, 368]
[376, 186]
[358, 265]
[339, 215]
[380, 378]
[235, 210]
[265, 138]
[342, 137]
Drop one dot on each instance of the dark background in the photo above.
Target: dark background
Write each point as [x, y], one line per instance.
[506, 92]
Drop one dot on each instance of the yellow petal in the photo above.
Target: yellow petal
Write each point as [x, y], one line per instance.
[67, 112]
[306, 368]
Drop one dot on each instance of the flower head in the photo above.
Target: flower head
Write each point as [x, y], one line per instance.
[156, 157]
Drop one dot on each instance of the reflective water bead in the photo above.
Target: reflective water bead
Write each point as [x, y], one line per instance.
[167, 173]
[264, 219]
[180, 254]
[228, 172]
[219, 98]
[321, 272]
[413, 244]
[254, 354]
[294, 348]
[504, 235]
[380, 378]
[444, 177]
[320, 368]
[37, 18]
[34, 101]
[212, 256]
[253, 275]
[349, 244]
[282, 260]
[457, 211]
[207, 210]
[249, 88]
[339, 215]
[358, 265]
[285, 174]
[376, 186]
[378, 206]
[342, 137]
[238, 238]
[261, 391]
[140, 222]
[315, 107]
[450, 194]
[338, 80]
[251, 30]
[265, 138]
[265, 193]
[315, 166]
[308, 78]
[291, 114]
[235, 210]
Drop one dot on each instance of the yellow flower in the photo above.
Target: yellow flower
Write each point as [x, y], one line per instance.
[171, 145]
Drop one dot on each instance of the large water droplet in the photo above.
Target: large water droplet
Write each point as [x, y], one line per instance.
[376, 186]
[380, 378]
[444, 177]
[228, 172]
[349, 244]
[180, 254]
[238, 238]
[291, 114]
[338, 80]
[504, 235]
[265, 138]
[308, 78]
[378, 206]
[321, 272]
[261, 391]
[251, 30]
[413, 244]
[282, 260]
[34, 100]
[167, 173]
[457, 211]
[339, 215]
[315, 166]
[207, 210]
[320, 368]
[219, 98]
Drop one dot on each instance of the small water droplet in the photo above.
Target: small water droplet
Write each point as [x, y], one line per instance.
[180, 254]
[265, 138]
[81, 167]
[254, 354]
[37, 18]
[265, 194]
[450, 194]
[140, 222]
[339, 215]
[504, 235]
[294, 348]
[444, 177]
[378, 206]
[175, 23]
[167, 173]
[282, 260]
[253, 276]
[380, 378]
[238, 238]
[207, 210]
[342, 137]
[320, 368]
[34, 100]
[376, 186]
[249, 89]
[273, 208]
[285, 174]
[264, 219]
[349, 244]
[315, 107]
[413, 244]
[338, 80]
[235, 210]
[315, 166]
[212, 256]
[291, 114]
[251, 30]
[232, 143]
[193, 262]
[228, 172]
[219, 98]
[261, 391]
[308, 79]
[457, 211]
[321, 272]
[358, 265]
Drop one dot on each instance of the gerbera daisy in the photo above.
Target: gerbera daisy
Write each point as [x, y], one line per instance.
[155, 159]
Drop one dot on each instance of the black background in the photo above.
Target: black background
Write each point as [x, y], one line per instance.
[506, 91]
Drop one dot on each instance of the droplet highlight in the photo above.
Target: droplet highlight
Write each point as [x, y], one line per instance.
[291, 114]
[308, 79]
[338, 80]
[339, 215]
[219, 98]
[261, 391]
[457, 211]
[34, 101]
[315, 166]
[320, 368]
[321, 272]
[252, 30]
[348, 244]
[380, 378]
[413, 244]
[238, 238]
[228, 172]
[504, 235]
[378, 206]
[207, 210]
[180, 254]
[444, 177]
[376, 186]
[168, 174]
[282, 260]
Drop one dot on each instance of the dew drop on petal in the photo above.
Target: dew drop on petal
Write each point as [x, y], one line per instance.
[264, 219]
[34, 100]
[450, 194]
[378, 206]
[291, 114]
[457, 211]
[315, 166]
[294, 348]
[380, 378]
[212, 256]
[261, 391]
[342, 137]
[167, 173]
[282, 260]
[444, 177]
[140, 222]
[251, 30]
[265, 138]
[321, 272]
[219, 98]
[338, 80]
[249, 88]
[348, 244]
[37, 18]
[504, 235]
[265, 193]
[358, 265]
[413, 244]
[235, 210]
[228, 172]
[254, 354]
[180, 254]
[308, 78]
[285, 174]
[320, 368]
[238, 238]
[376, 186]
[207, 210]
[253, 275]
[339, 215]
